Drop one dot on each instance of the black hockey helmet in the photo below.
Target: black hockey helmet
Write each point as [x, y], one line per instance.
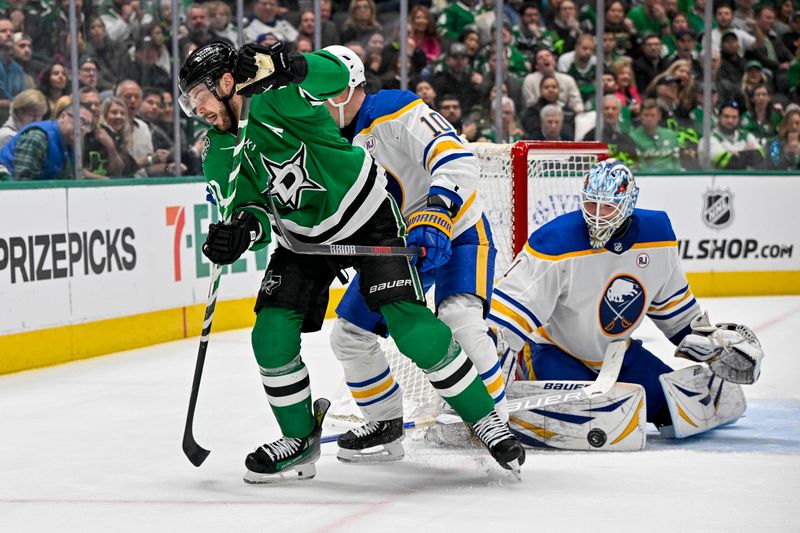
[205, 65]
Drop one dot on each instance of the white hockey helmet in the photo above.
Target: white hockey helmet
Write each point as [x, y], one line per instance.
[608, 183]
[356, 68]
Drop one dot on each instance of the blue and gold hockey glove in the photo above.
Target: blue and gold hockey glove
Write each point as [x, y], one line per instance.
[431, 228]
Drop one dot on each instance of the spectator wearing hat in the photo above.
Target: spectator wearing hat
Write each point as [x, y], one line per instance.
[723, 15]
[657, 148]
[731, 67]
[27, 107]
[686, 50]
[650, 63]
[457, 77]
[753, 76]
[87, 73]
[730, 147]
[546, 64]
[771, 51]
[146, 70]
[266, 19]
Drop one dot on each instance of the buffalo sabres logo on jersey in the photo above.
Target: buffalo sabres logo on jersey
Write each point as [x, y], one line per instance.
[622, 305]
[289, 179]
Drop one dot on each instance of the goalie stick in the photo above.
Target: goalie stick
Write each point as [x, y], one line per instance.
[606, 378]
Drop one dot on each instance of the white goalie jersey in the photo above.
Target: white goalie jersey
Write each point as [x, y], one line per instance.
[561, 291]
[420, 151]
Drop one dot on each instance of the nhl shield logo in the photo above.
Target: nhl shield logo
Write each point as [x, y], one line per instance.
[717, 208]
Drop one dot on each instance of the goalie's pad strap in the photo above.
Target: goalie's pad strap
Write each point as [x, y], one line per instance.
[698, 400]
[613, 421]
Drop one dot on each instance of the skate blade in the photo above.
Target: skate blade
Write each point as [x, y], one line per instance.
[515, 468]
[297, 473]
[377, 454]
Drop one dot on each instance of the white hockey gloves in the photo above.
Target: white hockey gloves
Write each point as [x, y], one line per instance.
[732, 351]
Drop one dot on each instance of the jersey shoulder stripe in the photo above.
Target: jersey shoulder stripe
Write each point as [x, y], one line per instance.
[563, 237]
[384, 106]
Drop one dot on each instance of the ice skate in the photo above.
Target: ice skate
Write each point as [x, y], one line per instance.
[504, 447]
[374, 442]
[287, 459]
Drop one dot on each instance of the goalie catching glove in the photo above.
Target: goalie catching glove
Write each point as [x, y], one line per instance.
[732, 351]
[432, 229]
[227, 241]
[289, 68]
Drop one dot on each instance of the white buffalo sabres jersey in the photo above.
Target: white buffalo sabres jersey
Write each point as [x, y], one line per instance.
[420, 152]
[561, 291]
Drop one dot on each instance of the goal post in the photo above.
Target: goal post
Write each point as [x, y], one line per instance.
[522, 186]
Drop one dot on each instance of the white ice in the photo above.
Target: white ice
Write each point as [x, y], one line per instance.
[96, 446]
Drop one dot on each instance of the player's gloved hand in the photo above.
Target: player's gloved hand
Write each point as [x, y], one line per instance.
[227, 241]
[732, 351]
[431, 229]
[289, 68]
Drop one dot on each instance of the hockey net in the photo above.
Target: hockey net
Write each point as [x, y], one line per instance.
[522, 186]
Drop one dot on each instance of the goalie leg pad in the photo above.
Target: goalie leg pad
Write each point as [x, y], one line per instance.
[463, 314]
[698, 400]
[366, 371]
[615, 421]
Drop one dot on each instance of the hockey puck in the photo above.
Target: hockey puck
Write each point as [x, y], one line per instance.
[597, 438]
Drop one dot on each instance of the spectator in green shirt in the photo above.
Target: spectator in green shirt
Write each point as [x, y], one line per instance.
[650, 17]
[657, 148]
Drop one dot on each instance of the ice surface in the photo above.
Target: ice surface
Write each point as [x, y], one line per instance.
[96, 446]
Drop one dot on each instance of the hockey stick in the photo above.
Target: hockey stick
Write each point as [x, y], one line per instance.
[194, 452]
[606, 379]
[299, 247]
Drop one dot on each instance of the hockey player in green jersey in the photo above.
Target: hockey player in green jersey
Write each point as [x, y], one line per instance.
[324, 191]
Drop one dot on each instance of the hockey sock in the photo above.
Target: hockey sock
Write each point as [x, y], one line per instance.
[419, 335]
[459, 384]
[424, 339]
[276, 344]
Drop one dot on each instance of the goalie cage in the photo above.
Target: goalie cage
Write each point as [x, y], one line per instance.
[522, 186]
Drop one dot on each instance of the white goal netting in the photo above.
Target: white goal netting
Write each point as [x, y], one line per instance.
[522, 187]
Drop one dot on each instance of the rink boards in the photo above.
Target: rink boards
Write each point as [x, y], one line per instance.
[93, 268]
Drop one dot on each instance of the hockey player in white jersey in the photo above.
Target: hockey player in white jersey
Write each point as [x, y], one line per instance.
[589, 277]
[433, 179]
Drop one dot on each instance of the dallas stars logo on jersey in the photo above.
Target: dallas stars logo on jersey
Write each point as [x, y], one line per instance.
[289, 179]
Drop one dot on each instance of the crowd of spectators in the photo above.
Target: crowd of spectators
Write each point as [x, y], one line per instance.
[651, 75]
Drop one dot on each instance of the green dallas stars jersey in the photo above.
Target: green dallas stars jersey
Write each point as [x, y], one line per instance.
[324, 189]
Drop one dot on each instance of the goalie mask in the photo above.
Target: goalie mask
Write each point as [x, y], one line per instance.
[608, 198]
[200, 74]
[356, 68]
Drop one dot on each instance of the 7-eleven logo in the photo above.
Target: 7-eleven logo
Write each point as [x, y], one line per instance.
[176, 216]
[200, 216]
